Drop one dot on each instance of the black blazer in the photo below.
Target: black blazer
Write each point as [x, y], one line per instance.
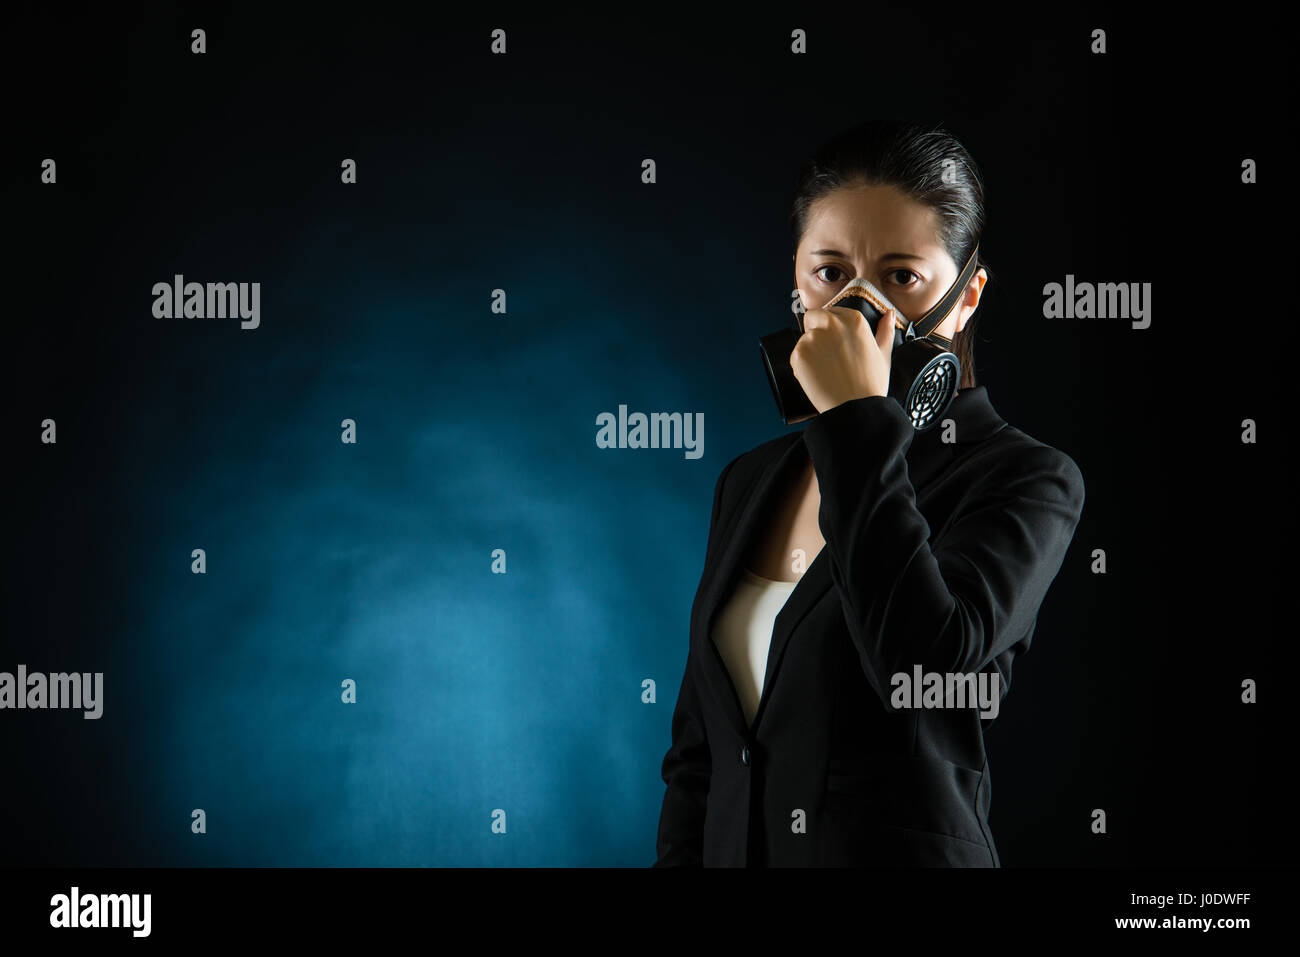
[937, 554]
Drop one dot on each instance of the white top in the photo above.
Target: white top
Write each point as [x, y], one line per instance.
[743, 633]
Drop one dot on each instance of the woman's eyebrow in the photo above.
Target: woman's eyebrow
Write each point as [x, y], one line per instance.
[836, 252]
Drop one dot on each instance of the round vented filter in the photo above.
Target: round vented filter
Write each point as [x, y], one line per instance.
[932, 391]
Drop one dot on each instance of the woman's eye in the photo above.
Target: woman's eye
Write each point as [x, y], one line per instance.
[909, 278]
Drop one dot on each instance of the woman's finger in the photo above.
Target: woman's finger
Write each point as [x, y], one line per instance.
[815, 319]
[885, 334]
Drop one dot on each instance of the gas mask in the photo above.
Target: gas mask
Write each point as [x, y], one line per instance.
[923, 371]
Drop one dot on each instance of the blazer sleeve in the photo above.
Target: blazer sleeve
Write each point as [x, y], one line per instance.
[687, 766]
[953, 605]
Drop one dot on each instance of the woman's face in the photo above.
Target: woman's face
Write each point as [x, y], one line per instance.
[879, 234]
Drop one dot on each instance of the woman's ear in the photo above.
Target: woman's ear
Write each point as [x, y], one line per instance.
[972, 298]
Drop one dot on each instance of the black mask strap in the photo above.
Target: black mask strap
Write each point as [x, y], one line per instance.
[922, 327]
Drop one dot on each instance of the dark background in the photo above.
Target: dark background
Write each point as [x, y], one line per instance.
[476, 430]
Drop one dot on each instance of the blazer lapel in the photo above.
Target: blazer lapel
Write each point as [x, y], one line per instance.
[742, 526]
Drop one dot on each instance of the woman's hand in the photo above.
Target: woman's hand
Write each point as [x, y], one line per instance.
[837, 358]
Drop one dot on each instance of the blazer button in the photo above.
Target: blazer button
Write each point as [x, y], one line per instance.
[744, 755]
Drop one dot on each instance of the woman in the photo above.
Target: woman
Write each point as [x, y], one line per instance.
[853, 562]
